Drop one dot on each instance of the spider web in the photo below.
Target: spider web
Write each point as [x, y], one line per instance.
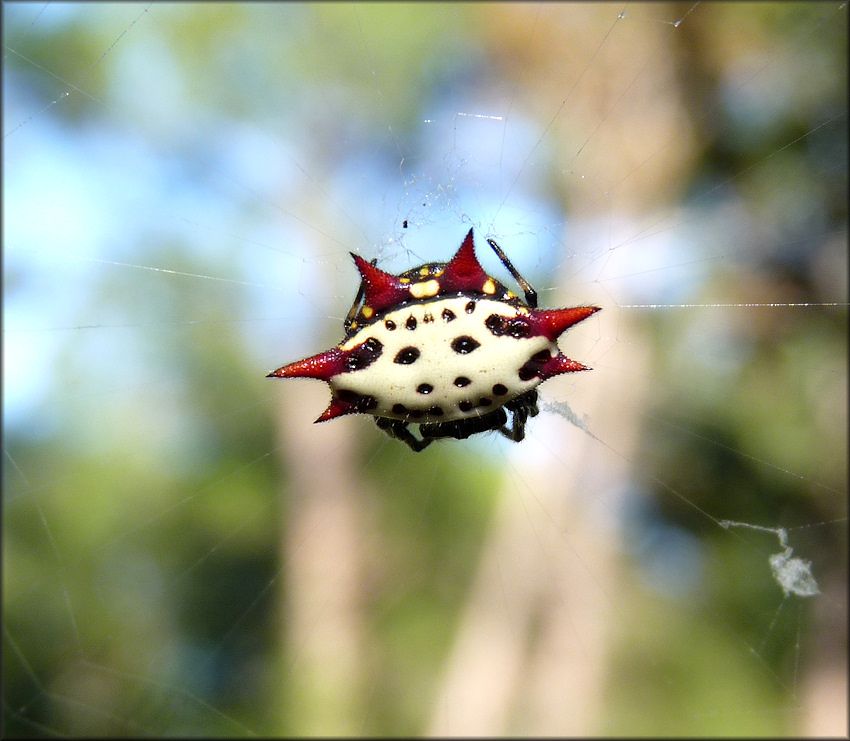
[185, 553]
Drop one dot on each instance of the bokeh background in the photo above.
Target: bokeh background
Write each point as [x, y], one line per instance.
[184, 553]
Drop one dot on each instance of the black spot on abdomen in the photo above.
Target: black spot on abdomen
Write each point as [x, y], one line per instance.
[500, 325]
[494, 323]
[406, 355]
[361, 402]
[465, 344]
[364, 355]
[533, 367]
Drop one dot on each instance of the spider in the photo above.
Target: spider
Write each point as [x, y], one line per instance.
[443, 346]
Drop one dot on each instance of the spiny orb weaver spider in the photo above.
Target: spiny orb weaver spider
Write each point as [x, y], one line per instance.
[444, 346]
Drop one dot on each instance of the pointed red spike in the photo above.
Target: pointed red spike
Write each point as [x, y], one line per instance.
[558, 364]
[463, 272]
[382, 289]
[323, 366]
[336, 408]
[551, 323]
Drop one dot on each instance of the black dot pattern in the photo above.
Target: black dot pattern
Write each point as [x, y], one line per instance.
[465, 344]
[401, 409]
[534, 366]
[494, 323]
[437, 390]
[406, 355]
[364, 355]
[361, 402]
[501, 326]
[347, 395]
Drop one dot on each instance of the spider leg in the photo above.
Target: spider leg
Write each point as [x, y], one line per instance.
[523, 407]
[398, 429]
[530, 293]
[516, 431]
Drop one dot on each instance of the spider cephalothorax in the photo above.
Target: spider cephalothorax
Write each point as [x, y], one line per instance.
[444, 346]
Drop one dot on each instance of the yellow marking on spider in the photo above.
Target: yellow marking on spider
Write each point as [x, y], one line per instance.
[404, 280]
[367, 311]
[489, 286]
[425, 289]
